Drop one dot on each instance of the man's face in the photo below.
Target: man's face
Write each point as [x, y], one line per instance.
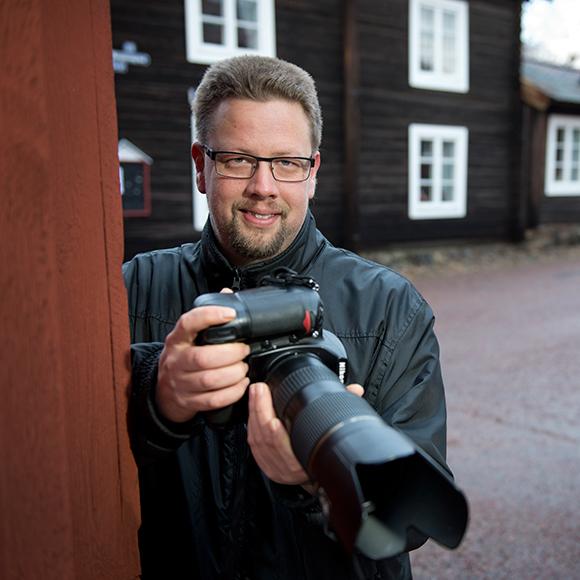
[258, 218]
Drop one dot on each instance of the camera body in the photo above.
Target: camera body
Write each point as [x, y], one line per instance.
[380, 493]
[278, 322]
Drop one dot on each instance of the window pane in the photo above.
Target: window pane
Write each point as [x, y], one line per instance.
[212, 7]
[427, 52]
[247, 38]
[558, 174]
[575, 145]
[448, 59]
[448, 149]
[559, 154]
[425, 171]
[426, 148]
[449, 24]
[247, 10]
[426, 193]
[447, 171]
[427, 19]
[575, 166]
[213, 33]
[447, 192]
[560, 136]
[449, 42]
[427, 38]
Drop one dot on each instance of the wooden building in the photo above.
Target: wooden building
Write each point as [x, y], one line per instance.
[420, 101]
[69, 496]
[551, 151]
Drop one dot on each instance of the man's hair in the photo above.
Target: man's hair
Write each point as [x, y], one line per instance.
[257, 78]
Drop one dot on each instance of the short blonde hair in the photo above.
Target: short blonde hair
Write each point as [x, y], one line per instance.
[257, 78]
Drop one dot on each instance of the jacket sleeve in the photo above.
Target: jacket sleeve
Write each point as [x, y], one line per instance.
[408, 385]
[152, 436]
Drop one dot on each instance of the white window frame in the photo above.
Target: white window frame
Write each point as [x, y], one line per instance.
[437, 208]
[437, 79]
[201, 52]
[566, 186]
[199, 205]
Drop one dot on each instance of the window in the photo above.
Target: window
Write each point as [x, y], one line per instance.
[437, 171]
[134, 179]
[439, 45]
[216, 29]
[563, 156]
[199, 200]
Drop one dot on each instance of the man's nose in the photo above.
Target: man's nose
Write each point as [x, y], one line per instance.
[263, 182]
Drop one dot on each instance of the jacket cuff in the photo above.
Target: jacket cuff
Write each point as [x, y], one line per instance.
[155, 430]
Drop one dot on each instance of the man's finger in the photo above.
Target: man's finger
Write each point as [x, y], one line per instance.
[356, 389]
[214, 356]
[197, 319]
[214, 379]
[218, 399]
[262, 404]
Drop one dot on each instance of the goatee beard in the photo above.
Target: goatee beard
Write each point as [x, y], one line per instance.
[255, 246]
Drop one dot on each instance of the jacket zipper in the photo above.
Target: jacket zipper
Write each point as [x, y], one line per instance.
[237, 281]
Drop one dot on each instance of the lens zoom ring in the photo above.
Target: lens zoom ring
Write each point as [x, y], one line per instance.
[320, 416]
[297, 380]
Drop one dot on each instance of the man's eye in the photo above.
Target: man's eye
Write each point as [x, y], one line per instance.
[231, 161]
[288, 163]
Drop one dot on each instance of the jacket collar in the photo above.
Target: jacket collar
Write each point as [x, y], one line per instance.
[220, 273]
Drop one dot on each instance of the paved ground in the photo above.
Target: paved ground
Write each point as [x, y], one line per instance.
[510, 336]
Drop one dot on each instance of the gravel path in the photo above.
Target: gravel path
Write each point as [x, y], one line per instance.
[508, 320]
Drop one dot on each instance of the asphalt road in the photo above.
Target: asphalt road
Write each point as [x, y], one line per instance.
[510, 341]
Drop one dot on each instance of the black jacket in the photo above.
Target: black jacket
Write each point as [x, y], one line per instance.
[207, 510]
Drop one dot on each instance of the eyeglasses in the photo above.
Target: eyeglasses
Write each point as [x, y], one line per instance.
[243, 166]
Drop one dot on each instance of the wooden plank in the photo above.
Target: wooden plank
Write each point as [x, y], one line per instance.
[68, 487]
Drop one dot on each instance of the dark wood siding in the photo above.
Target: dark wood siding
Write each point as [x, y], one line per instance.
[154, 115]
[310, 34]
[389, 105]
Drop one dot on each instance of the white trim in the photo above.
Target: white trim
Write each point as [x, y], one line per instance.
[437, 79]
[199, 206]
[130, 153]
[437, 207]
[569, 184]
[198, 51]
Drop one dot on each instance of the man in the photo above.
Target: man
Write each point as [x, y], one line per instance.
[234, 502]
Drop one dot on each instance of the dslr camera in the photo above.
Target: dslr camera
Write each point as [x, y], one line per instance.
[381, 494]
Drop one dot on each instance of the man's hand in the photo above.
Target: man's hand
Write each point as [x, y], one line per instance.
[195, 378]
[270, 442]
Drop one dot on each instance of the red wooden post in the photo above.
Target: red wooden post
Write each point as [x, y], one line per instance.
[68, 485]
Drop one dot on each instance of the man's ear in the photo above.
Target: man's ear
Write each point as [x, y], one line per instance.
[198, 156]
[312, 178]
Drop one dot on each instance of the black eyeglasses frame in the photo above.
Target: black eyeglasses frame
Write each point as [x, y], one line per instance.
[213, 154]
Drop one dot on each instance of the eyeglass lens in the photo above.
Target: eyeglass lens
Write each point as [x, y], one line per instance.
[244, 167]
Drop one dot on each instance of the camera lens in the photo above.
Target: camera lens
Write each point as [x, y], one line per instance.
[381, 493]
[312, 402]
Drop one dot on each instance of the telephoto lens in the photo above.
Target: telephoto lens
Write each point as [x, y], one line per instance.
[382, 494]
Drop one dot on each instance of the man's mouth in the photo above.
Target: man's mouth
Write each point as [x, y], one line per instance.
[259, 216]
[262, 216]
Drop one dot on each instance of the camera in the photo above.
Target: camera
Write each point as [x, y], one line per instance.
[380, 493]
